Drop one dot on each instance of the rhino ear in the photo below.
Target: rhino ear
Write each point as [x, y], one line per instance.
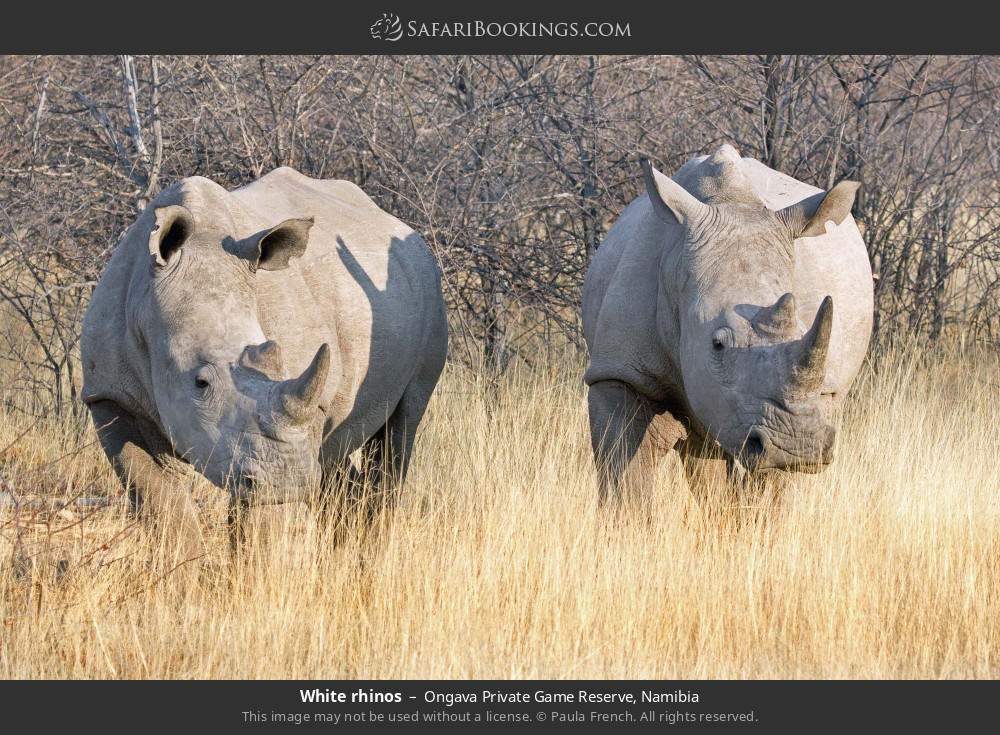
[272, 249]
[174, 225]
[808, 218]
[672, 202]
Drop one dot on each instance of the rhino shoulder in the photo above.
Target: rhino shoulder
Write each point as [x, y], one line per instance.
[110, 352]
[621, 304]
[774, 188]
[340, 189]
[834, 263]
[338, 206]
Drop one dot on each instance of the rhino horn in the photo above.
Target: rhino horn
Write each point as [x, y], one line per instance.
[299, 397]
[265, 358]
[778, 318]
[810, 362]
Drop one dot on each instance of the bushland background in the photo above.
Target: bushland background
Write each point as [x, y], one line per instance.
[513, 168]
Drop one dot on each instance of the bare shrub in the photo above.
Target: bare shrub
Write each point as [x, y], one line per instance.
[513, 167]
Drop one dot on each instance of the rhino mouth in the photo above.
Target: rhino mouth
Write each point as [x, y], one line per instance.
[262, 473]
[266, 487]
[765, 448]
[781, 435]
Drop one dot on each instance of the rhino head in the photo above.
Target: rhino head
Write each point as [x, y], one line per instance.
[219, 385]
[752, 372]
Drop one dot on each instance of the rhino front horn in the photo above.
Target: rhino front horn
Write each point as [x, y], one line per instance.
[299, 397]
[810, 365]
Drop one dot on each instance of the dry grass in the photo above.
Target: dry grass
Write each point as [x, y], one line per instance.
[499, 564]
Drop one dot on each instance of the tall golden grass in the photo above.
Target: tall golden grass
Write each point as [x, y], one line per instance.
[498, 562]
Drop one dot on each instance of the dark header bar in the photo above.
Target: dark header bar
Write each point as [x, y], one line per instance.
[395, 27]
[522, 706]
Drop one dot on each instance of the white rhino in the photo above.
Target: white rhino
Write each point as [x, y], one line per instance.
[729, 307]
[261, 335]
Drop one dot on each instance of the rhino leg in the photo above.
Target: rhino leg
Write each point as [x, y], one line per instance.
[628, 435]
[360, 493]
[703, 473]
[389, 452]
[149, 472]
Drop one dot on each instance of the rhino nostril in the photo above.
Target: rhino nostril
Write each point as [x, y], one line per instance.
[753, 448]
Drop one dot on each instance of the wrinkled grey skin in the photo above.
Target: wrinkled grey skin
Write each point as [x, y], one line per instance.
[260, 335]
[729, 307]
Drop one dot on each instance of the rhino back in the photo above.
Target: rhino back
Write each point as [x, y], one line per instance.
[367, 284]
[836, 264]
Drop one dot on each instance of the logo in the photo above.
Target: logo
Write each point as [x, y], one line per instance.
[387, 28]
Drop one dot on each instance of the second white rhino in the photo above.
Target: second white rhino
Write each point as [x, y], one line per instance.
[730, 307]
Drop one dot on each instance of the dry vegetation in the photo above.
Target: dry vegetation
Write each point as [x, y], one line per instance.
[499, 564]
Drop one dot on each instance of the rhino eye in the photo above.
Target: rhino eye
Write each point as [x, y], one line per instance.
[202, 379]
[721, 339]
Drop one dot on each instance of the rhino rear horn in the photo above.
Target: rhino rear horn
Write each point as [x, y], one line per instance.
[672, 202]
[777, 319]
[299, 397]
[265, 358]
[808, 218]
[810, 363]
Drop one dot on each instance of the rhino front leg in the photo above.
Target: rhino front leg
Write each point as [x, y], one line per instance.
[705, 473]
[628, 434]
[389, 451]
[359, 493]
[141, 460]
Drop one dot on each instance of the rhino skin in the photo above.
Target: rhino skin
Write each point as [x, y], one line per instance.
[260, 335]
[730, 308]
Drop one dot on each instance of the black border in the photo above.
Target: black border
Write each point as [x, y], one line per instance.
[667, 27]
[777, 706]
[663, 26]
